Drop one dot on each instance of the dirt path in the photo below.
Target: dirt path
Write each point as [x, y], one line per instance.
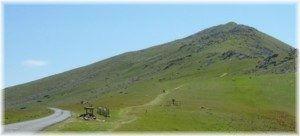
[127, 118]
[38, 124]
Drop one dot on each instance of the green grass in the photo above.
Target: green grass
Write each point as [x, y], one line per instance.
[243, 106]
[236, 103]
[19, 115]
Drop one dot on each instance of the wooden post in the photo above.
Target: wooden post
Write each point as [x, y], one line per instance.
[173, 101]
[107, 112]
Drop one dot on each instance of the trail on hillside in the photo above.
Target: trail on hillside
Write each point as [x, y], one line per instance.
[127, 118]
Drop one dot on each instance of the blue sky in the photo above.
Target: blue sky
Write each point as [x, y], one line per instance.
[41, 40]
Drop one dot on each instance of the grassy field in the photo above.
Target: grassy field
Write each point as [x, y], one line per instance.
[29, 113]
[228, 103]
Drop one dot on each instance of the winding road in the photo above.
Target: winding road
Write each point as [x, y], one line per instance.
[38, 124]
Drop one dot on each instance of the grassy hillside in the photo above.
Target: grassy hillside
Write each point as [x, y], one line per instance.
[227, 78]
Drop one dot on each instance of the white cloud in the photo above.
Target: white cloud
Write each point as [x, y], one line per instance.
[34, 63]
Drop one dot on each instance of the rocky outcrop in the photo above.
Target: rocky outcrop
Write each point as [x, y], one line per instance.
[176, 61]
[270, 60]
[233, 54]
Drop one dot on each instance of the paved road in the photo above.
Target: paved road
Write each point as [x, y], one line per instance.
[38, 124]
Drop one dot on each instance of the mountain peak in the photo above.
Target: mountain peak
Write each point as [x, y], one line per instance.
[231, 23]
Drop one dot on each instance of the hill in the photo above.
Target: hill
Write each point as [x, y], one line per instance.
[219, 74]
